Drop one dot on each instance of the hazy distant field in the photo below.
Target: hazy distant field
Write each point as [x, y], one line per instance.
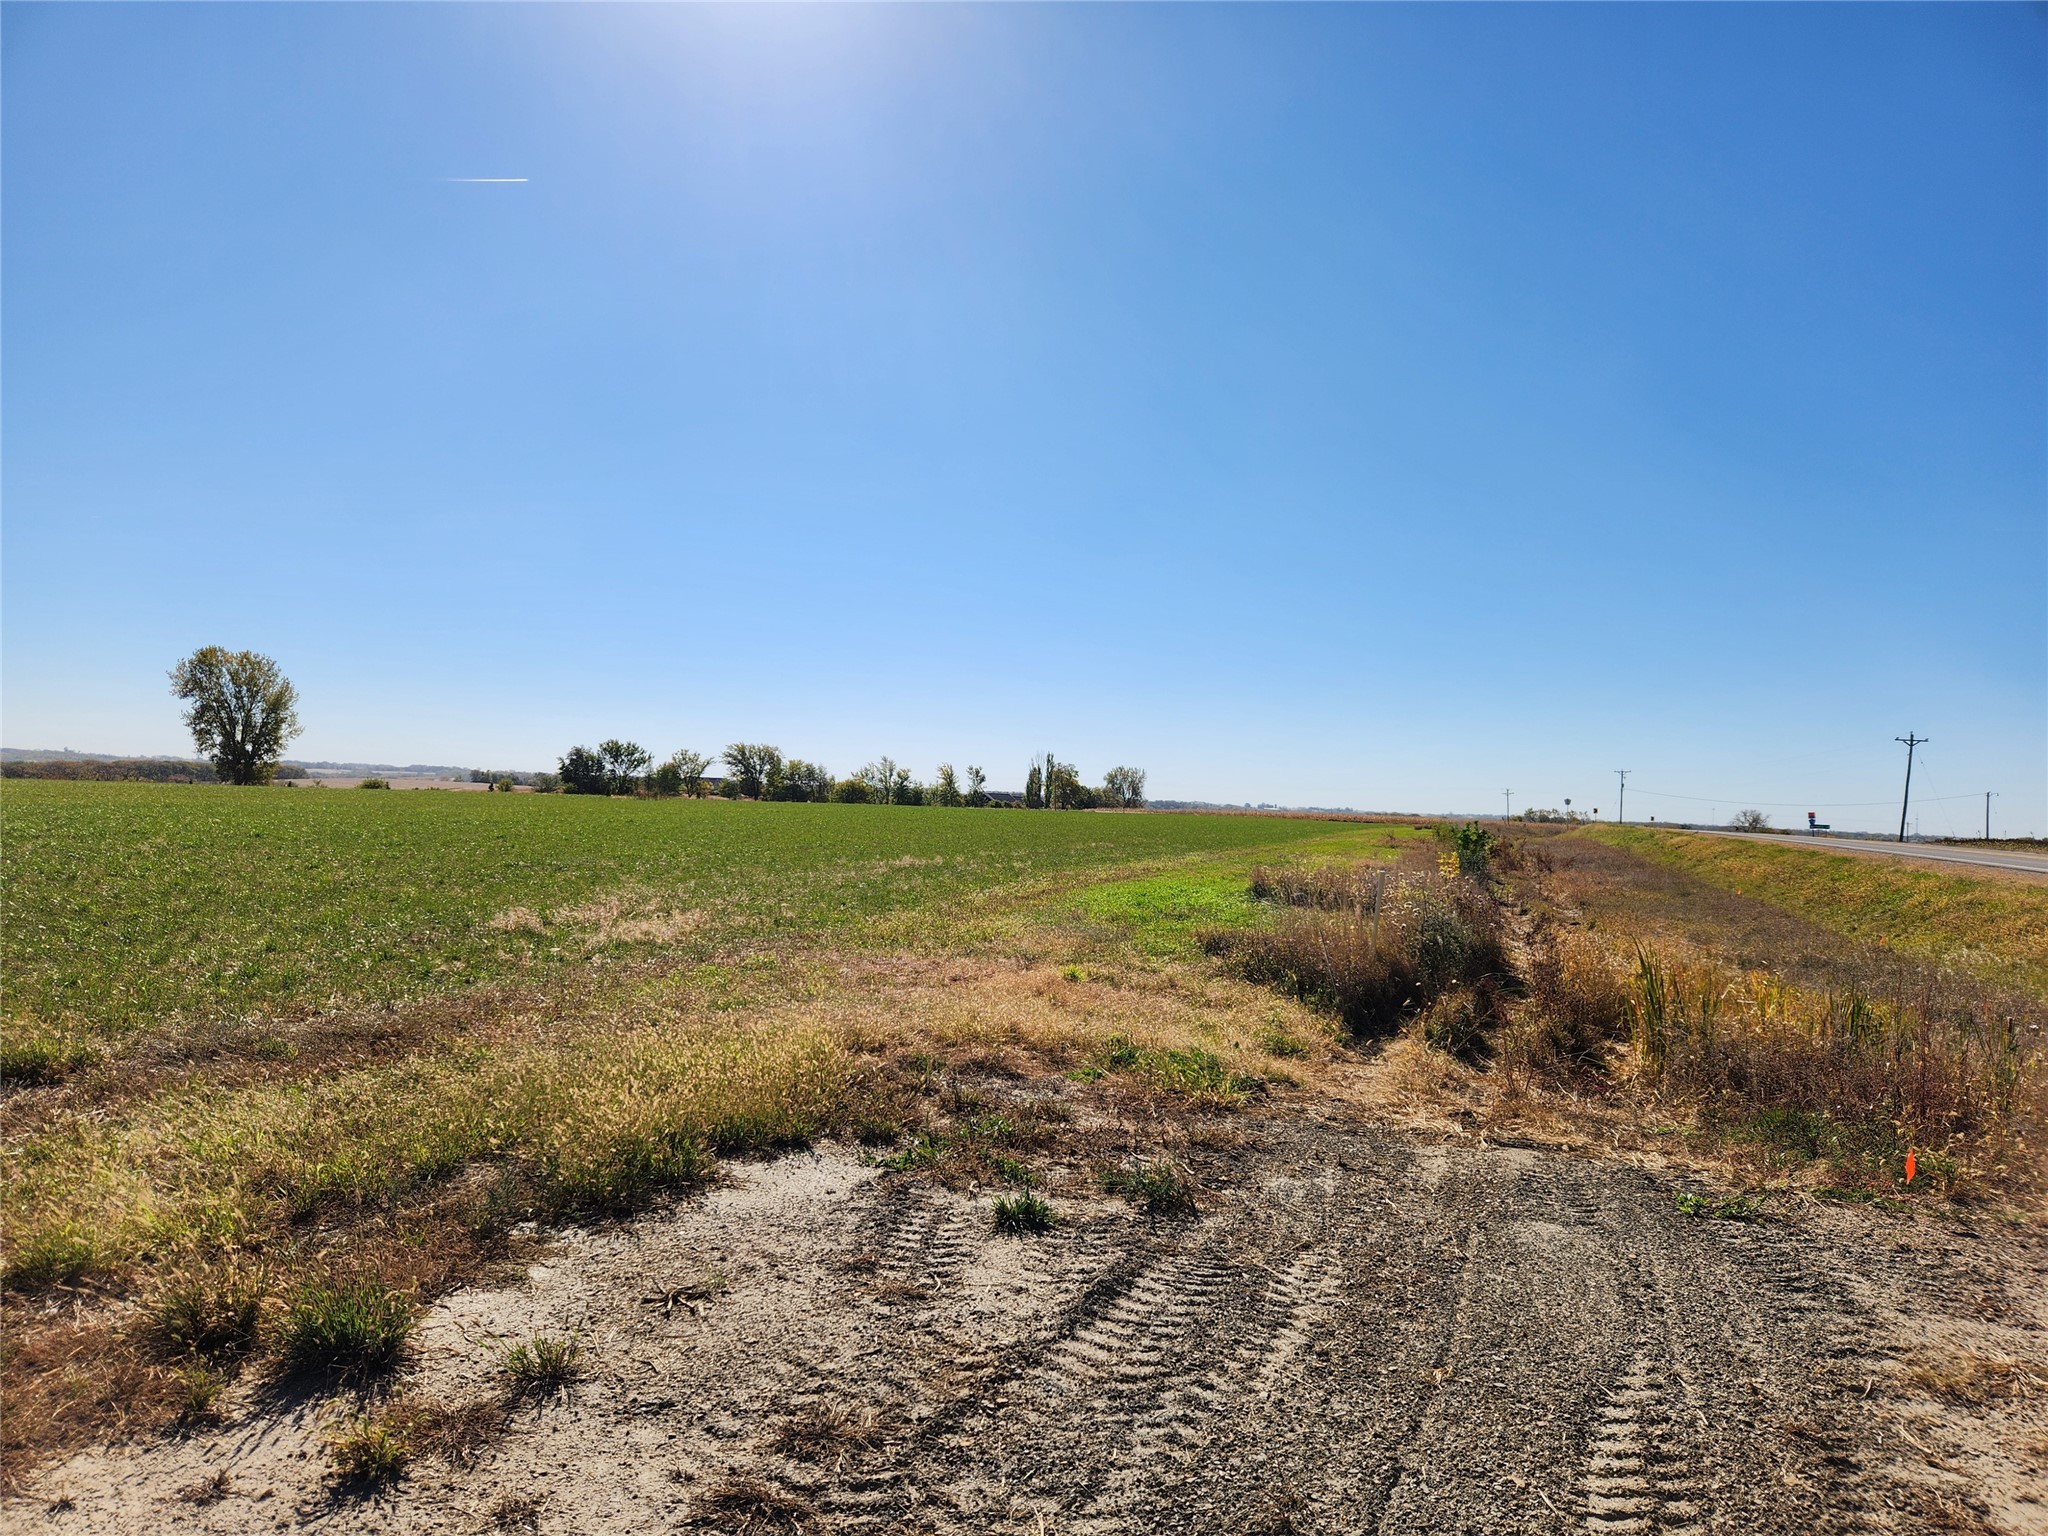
[127, 904]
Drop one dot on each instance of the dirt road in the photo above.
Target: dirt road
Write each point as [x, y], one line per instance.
[1361, 1333]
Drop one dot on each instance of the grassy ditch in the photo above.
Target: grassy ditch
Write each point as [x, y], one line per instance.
[1991, 928]
[1767, 1037]
[1804, 1025]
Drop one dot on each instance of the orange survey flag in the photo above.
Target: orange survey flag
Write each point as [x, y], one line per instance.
[1909, 1167]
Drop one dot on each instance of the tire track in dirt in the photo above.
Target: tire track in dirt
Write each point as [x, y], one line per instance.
[1359, 1334]
[1641, 1472]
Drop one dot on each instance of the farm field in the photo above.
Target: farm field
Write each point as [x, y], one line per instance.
[273, 1028]
[130, 907]
[370, 1158]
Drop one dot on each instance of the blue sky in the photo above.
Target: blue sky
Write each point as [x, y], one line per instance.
[1380, 406]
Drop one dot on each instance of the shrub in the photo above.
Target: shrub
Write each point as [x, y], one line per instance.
[849, 792]
[1459, 1021]
[349, 1328]
[374, 783]
[1577, 1008]
[1476, 848]
[1023, 1213]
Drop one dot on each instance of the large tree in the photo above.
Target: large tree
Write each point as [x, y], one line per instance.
[625, 764]
[682, 774]
[1063, 788]
[582, 772]
[752, 765]
[1127, 785]
[240, 709]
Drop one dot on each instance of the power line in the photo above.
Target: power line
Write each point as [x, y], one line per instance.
[1825, 805]
[1909, 741]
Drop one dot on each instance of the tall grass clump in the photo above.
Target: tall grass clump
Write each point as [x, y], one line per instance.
[351, 1328]
[1370, 945]
[1577, 1010]
[209, 1311]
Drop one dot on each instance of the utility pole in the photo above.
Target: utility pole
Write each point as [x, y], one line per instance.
[1621, 808]
[1987, 815]
[1909, 741]
[1507, 805]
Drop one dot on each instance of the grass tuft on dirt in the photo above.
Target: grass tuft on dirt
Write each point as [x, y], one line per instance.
[1024, 1214]
[347, 1328]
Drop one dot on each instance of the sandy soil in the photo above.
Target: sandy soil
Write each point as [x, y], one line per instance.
[1363, 1330]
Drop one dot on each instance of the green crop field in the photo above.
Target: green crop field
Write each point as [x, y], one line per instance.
[308, 1029]
[127, 905]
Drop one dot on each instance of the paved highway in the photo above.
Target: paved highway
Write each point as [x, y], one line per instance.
[1941, 853]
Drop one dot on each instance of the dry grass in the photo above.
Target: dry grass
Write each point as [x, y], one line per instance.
[377, 1445]
[1372, 946]
[1976, 1381]
[210, 1196]
[746, 1506]
[825, 1432]
[1655, 998]
[208, 1490]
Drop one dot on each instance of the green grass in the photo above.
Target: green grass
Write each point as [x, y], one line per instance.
[1024, 1213]
[1991, 928]
[1167, 913]
[1728, 1208]
[130, 904]
[1194, 1074]
[368, 1449]
[348, 1328]
[542, 1364]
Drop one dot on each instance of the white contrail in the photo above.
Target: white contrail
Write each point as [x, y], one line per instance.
[492, 181]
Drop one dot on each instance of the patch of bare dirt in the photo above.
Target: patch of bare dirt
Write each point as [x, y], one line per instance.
[1363, 1330]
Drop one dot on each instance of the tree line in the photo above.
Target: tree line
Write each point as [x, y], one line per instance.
[241, 710]
[757, 771]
